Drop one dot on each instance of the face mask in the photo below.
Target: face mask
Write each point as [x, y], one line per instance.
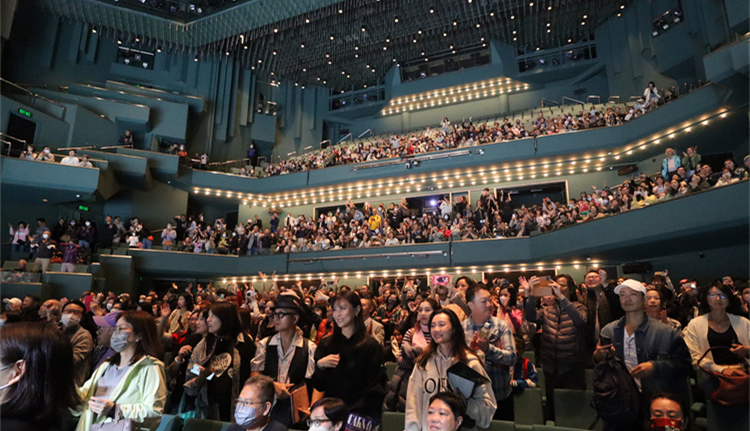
[69, 320]
[504, 300]
[109, 306]
[46, 151]
[169, 226]
[318, 428]
[665, 424]
[45, 236]
[119, 341]
[88, 224]
[72, 223]
[245, 416]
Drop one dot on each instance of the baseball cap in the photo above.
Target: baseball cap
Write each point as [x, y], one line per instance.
[108, 320]
[12, 303]
[288, 302]
[632, 284]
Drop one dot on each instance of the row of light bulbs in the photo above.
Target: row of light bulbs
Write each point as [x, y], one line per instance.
[451, 90]
[455, 99]
[459, 179]
[415, 272]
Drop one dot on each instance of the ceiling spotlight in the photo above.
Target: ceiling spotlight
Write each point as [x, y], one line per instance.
[432, 10]
[363, 28]
[196, 58]
[93, 29]
[331, 37]
[119, 42]
[158, 49]
[395, 19]
[276, 30]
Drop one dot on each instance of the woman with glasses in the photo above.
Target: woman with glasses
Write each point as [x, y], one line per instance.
[349, 363]
[131, 383]
[430, 376]
[720, 326]
[214, 369]
[287, 357]
[328, 414]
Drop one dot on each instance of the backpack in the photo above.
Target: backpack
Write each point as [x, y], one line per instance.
[616, 396]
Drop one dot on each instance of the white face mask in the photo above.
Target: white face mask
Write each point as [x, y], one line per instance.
[88, 223]
[69, 320]
[504, 300]
[45, 236]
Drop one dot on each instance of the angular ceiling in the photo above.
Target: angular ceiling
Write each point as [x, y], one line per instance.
[348, 44]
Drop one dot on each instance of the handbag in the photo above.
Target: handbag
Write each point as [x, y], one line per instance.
[118, 424]
[731, 390]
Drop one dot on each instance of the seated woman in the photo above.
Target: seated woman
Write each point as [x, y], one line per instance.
[132, 381]
[446, 412]
[331, 411]
[430, 376]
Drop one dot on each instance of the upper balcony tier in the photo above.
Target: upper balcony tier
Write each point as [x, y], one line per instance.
[612, 146]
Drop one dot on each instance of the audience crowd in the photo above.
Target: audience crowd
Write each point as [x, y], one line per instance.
[457, 135]
[248, 353]
[353, 226]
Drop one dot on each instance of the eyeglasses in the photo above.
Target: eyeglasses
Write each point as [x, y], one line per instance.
[245, 402]
[316, 422]
[280, 315]
[717, 296]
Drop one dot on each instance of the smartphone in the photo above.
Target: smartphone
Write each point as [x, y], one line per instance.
[604, 341]
[543, 288]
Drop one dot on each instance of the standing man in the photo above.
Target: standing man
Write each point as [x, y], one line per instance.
[45, 248]
[374, 328]
[126, 139]
[497, 347]
[287, 357]
[80, 338]
[656, 356]
[602, 303]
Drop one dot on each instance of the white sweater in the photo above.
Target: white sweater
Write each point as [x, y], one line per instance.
[696, 337]
[426, 382]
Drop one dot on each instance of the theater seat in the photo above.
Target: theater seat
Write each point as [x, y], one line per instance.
[392, 421]
[390, 368]
[170, 423]
[552, 428]
[500, 426]
[205, 425]
[721, 418]
[573, 409]
[527, 407]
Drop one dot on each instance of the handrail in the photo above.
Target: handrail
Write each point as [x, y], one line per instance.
[556, 103]
[612, 99]
[593, 96]
[116, 146]
[348, 135]
[10, 145]
[88, 147]
[327, 141]
[572, 100]
[365, 132]
[635, 97]
[23, 141]
[35, 96]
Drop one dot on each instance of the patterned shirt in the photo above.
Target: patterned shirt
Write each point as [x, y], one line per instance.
[500, 356]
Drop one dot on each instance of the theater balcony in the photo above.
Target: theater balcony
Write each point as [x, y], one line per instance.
[692, 226]
[613, 146]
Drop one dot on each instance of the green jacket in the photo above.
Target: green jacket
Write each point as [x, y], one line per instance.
[140, 395]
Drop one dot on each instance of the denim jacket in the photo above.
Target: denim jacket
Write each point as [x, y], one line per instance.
[662, 346]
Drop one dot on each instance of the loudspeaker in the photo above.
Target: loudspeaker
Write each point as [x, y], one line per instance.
[637, 268]
[627, 169]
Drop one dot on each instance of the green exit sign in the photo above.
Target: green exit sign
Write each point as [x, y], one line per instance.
[24, 112]
[83, 208]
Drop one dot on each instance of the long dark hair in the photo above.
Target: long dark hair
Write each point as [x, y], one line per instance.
[143, 326]
[353, 299]
[226, 312]
[458, 340]
[435, 307]
[734, 307]
[46, 390]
